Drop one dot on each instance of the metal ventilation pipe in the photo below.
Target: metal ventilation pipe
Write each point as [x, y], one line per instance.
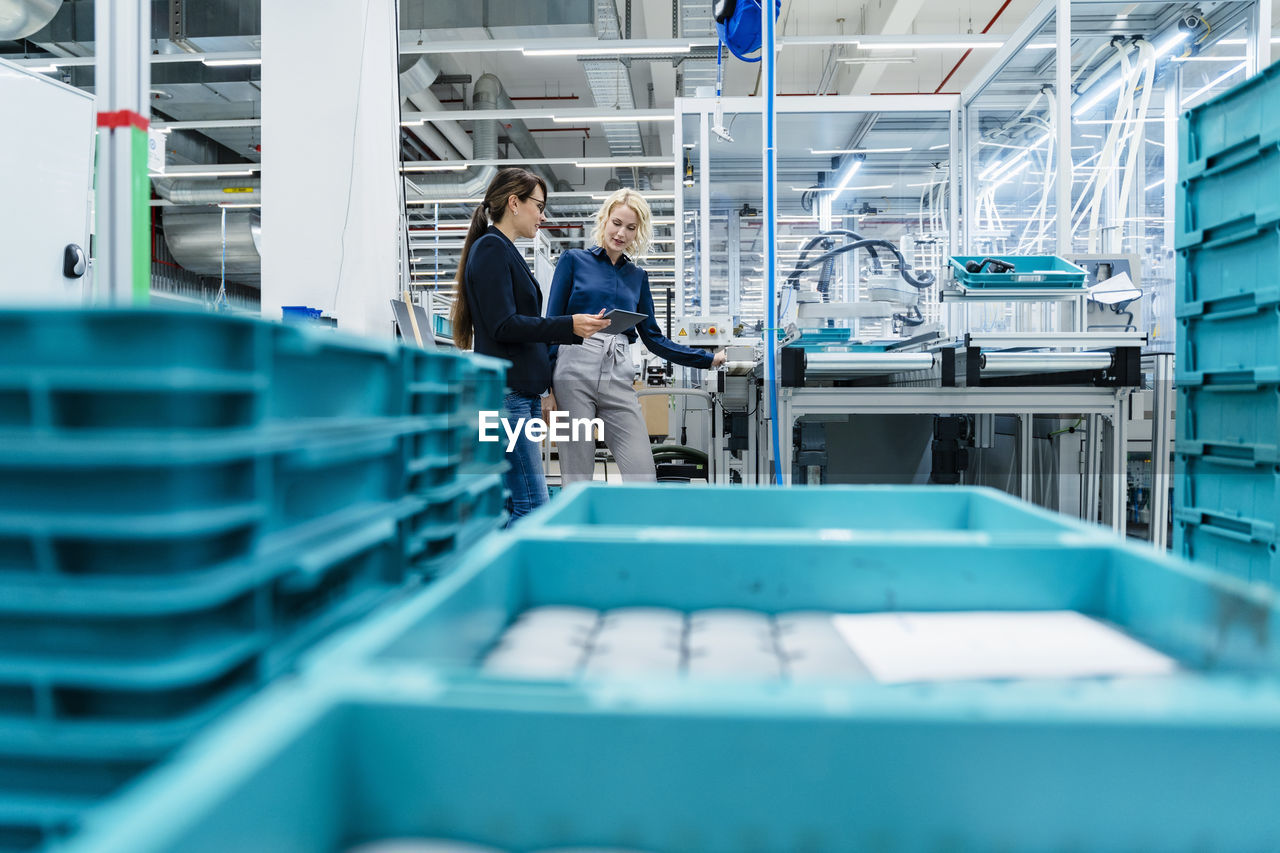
[416, 78]
[209, 190]
[488, 94]
[194, 238]
[22, 18]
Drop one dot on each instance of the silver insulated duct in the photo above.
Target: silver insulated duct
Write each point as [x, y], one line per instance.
[22, 18]
[194, 238]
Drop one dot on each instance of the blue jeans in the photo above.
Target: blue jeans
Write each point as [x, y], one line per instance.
[526, 481]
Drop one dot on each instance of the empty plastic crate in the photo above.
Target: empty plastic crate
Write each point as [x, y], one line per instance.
[1238, 490]
[183, 505]
[1234, 420]
[1236, 196]
[1246, 116]
[1226, 545]
[110, 683]
[1230, 347]
[319, 373]
[1029, 271]
[107, 369]
[433, 381]
[839, 508]
[1230, 274]
[404, 744]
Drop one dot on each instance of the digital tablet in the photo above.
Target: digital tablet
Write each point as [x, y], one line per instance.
[622, 320]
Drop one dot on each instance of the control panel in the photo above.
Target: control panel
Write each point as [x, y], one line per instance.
[699, 331]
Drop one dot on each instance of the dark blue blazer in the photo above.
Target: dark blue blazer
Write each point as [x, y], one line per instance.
[506, 309]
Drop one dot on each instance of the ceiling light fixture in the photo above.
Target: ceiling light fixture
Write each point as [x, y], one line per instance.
[837, 151]
[620, 50]
[619, 116]
[225, 63]
[1230, 72]
[975, 44]
[436, 167]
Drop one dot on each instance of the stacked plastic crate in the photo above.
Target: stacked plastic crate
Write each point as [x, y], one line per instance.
[1227, 483]
[401, 735]
[464, 496]
[187, 501]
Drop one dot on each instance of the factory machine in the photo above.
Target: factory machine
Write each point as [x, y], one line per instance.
[1041, 412]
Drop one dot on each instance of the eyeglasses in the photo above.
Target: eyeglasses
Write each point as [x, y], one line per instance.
[541, 203]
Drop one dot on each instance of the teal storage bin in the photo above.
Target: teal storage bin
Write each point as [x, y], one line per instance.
[75, 371]
[1231, 273]
[1233, 198]
[840, 508]
[100, 682]
[317, 373]
[1030, 271]
[1245, 117]
[1243, 493]
[391, 734]
[1227, 544]
[1233, 347]
[1240, 421]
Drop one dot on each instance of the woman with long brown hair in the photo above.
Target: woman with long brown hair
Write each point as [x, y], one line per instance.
[498, 311]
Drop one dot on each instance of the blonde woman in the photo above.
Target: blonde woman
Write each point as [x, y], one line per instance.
[594, 380]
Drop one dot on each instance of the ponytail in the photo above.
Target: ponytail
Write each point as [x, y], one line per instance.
[506, 183]
[460, 314]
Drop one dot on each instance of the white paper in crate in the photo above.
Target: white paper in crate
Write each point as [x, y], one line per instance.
[906, 647]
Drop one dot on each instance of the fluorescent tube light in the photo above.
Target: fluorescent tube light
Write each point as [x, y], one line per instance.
[223, 63]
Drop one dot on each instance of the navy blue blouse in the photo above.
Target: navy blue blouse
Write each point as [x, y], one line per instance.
[585, 282]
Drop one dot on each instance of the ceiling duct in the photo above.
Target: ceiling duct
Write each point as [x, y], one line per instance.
[22, 18]
[487, 94]
[446, 138]
[194, 238]
[696, 21]
[209, 190]
[610, 84]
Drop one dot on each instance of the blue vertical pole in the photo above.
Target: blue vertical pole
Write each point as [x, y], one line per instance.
[767, 56]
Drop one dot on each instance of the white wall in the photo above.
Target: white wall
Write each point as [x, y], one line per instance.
[46, 161]
[330, 125]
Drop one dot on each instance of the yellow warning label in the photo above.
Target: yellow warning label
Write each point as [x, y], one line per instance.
[682, 334]
[237, 189]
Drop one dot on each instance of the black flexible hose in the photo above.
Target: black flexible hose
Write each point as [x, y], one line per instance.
[924, 282]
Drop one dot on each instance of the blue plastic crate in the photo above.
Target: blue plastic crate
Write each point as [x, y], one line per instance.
[91, 699]
[1230, 347]
[319, 373]
[109, 369]
[99, 653]
[1029, 271]
[1235, 197]
[128, 506]
[1228, 546]
[394, 741]
[1236, 490]
[1233, 420]
[1245, 116]
[1231, 273]
[834, 508]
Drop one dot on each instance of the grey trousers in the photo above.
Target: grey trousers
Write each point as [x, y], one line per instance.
[593, 380]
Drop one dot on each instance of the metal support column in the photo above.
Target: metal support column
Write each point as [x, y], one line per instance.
[1161, 447]
[123, 75]
[1062, 126]
[1092, 481]
[1026, 453]
[734, 257]
[1118, 490]
[704, 213]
